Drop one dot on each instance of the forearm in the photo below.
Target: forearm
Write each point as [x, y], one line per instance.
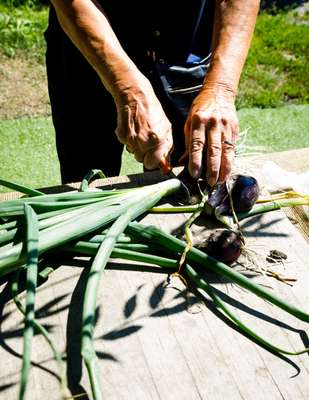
[87, 26]
[142, 125]
[233, 30]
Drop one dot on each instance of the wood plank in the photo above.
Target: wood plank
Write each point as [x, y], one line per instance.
[159, 341]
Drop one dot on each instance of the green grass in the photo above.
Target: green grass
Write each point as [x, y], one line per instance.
[28, 154]
[276, 69]
[278, 129]
[275, 72]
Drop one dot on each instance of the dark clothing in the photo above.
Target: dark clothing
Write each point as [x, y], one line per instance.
[138, 22]
[83, 112]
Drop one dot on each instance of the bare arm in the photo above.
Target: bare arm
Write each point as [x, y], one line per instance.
[142, 125]
[212, 119]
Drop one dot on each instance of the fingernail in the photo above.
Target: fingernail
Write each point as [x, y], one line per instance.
[195, 173]
[211, 181]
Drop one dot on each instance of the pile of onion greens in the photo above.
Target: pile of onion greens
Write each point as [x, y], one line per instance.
[103, 224]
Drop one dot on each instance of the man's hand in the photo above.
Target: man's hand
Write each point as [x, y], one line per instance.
[211, 132]
[142, 125]
[211, 127]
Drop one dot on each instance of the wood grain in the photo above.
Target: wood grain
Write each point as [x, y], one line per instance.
[157, 339]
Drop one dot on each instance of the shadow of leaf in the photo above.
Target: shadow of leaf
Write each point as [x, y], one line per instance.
[157, 295]
[259, 228]
[73, 337]
[130, 306]
[4, 387]
[15, 333]
[106, 356]
[5, 316]
[97, 315]
[261, 315]
[120, 333]
[170, 310]
[46, 310]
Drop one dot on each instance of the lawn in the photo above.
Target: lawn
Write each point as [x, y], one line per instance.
[28, 153]
[276, 69]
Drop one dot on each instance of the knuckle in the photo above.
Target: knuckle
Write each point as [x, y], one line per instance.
[120, 135]
[212, 122]
[224, 121]
[197, 144]
[236, 127]
[213, 174]
[227, 149]
[214, 165]
[214, 151]
[153, 139]
[200, 117]
[187, 128]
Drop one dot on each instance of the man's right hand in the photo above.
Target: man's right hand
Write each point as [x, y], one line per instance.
[142, 125]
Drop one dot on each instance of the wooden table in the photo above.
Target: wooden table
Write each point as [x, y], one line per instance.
[161, 341]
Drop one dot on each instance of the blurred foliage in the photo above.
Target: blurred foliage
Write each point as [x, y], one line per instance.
[36, 4]
[22, 31]
[275, 5]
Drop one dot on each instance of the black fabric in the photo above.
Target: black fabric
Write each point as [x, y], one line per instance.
[138, 22]
[83, 112]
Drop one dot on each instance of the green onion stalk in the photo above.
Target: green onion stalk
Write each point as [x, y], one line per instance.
[168, 242]
[90, 249]
[32, 235]
[257, 209]
[89, 218]
[206, 287]
[87, 215]
[197, 257]
[31, 283]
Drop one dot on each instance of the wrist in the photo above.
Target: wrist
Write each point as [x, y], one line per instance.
[219, 90]
[130, 86]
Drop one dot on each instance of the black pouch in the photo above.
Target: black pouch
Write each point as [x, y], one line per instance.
[180, 83]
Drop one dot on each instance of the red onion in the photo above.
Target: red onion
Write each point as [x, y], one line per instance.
[224, 245]
[244, 190]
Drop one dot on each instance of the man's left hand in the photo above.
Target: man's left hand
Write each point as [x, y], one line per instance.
[211, 132]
